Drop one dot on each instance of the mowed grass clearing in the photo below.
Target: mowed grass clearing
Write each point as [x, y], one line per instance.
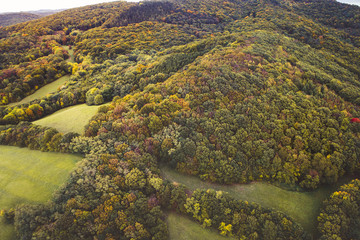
[71, 119]
[49, 88]
[303, 207]
[28, 176]
[7, 231]
[71, 54]
[182, 228]
[45, 90]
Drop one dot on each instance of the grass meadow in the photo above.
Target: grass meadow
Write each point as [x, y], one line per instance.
[71, 119]
[49, 88]
[28, 176]
[182, 228]
[303, 207]
[71, 53]
[45, 90]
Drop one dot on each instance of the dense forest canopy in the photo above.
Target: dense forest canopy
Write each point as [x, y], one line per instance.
[230, 91]
[339, 218]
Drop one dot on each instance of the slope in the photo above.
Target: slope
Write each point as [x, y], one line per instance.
[8, 19]
[229, 91]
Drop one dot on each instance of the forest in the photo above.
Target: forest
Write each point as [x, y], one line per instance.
[231, 92]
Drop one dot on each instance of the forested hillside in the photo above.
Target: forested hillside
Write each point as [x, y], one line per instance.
[7, 19]
[230, 91]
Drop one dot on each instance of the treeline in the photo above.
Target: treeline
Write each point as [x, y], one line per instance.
[37, 109]
[238, 218]
[122, 196]
[36, 137]
[19, 81]
[31, 63]
[339, 217]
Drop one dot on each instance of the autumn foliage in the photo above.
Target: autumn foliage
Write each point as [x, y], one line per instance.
[228, 91]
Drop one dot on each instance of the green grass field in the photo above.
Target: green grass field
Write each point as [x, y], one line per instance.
[7, 232]
[303, 207]
[45, 90]
[49, 88]
[71, 53]
[182, 228]
[71, 119]
[28, 176]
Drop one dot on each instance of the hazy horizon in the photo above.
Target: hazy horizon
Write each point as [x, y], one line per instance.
[36, 5]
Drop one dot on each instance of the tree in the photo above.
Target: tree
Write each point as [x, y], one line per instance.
[135, 179]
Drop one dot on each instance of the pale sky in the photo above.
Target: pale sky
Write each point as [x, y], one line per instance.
[356, 2]
[29, 5]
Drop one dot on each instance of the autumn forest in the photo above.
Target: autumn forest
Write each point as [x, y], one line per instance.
[230, 92]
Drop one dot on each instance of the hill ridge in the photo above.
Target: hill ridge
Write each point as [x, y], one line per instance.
[229, 91]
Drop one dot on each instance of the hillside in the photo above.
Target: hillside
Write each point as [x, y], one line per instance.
[46, 12]
[7, 19]
[228, 91]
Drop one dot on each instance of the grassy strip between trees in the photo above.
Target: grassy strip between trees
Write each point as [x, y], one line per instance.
[28, 176]
[42, 92]
[182, 228]
[48, 88]
[71, 54]
[303, 207]
[71, 119]
[7, 231]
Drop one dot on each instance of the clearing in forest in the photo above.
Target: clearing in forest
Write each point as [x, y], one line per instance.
[303, 207]
[70, 119]
[29, 176]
